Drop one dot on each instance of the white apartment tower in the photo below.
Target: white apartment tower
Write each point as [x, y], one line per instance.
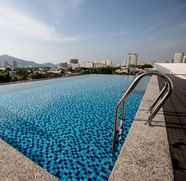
[132, 59]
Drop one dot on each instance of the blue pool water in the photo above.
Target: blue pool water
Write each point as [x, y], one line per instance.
[65, 125]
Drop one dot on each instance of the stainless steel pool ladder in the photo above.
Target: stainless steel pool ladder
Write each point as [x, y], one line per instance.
[119, 121]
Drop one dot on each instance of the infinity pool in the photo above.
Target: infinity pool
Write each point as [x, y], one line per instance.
[65, 125]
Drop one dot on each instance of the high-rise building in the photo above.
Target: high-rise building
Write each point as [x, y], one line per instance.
[178, 57]
[132, 59]
[184, 59]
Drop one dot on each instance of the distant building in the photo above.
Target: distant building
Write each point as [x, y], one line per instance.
[74, 63]
[102, 63]
[108, 63]
[178, 57]
[87, 65]
[132, 62]
[99, 64]
[132, 59]
[122, 70]
[184, 59]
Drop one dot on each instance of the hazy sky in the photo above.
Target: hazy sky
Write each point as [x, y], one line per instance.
[56, 30]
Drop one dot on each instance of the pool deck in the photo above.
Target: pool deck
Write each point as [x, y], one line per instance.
[14, 166]
[145, 154]
[175, 117]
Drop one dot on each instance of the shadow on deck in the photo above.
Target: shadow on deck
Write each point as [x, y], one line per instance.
[175, 117]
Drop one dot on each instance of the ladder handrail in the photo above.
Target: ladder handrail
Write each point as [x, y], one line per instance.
[157, 107]
[166, 91]
[162, 92]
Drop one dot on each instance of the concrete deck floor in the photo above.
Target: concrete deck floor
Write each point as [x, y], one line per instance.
[175, 117]
[145, 154]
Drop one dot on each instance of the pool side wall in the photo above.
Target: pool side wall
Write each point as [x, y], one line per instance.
[145, 153]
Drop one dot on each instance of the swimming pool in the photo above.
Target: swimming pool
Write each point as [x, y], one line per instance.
[65, 125]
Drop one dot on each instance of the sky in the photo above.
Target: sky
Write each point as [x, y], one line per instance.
[57, 30]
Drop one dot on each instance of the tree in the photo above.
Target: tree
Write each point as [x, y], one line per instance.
[4, 76]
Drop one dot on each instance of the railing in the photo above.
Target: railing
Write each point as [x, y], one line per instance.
[119, 121]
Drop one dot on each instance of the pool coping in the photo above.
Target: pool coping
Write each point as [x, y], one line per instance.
[145, 154]
[36, 80]
[53, 78]
[14, 166]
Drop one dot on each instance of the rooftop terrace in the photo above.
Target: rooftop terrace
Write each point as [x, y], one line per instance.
[152, 153]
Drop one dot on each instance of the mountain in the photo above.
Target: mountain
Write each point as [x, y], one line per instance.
[50, 65]
[6, 60]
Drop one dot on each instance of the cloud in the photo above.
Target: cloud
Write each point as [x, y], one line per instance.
[101, 35]
[17, 26]
[46, 10]
[28, 36]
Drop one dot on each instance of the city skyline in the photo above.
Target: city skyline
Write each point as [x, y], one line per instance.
[51, 31]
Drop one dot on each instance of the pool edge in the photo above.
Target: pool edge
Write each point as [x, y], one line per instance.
[15, 166]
